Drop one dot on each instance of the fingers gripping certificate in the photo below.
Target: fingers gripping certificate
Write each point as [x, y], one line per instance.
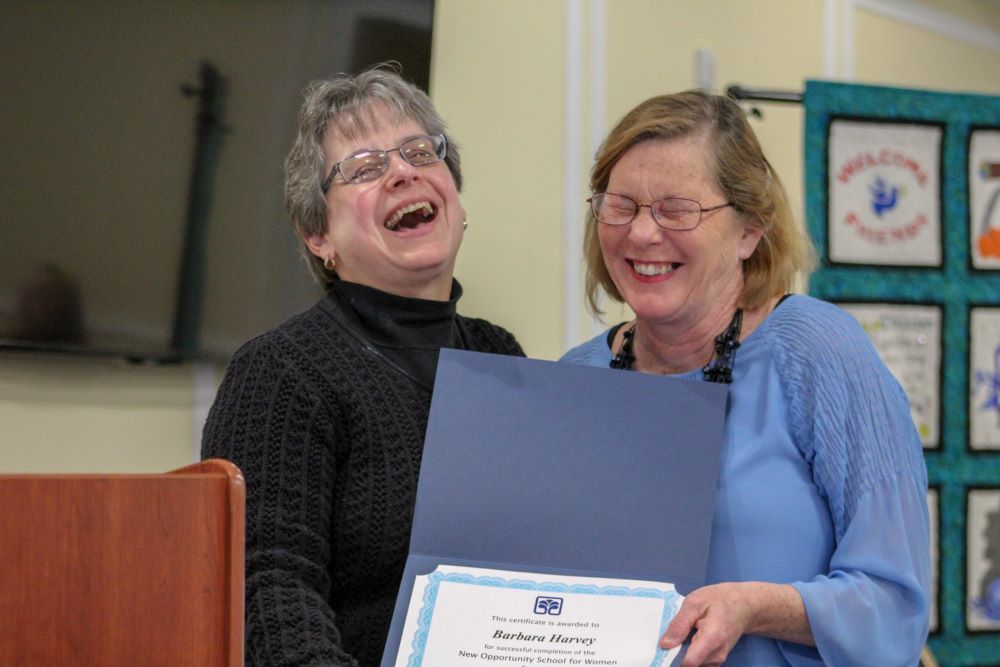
[463, 616]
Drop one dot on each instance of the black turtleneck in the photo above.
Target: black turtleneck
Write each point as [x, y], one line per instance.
[325, 416]
[409, 332]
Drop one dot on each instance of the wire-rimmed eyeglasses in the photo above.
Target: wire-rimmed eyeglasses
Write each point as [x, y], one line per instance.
[367, 165]
[675, 213]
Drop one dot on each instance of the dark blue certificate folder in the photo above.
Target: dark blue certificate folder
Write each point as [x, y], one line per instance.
[545, 467]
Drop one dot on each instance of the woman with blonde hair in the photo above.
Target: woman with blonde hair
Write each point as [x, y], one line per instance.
[819, 550]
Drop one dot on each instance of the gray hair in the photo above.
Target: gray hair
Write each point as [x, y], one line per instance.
[348, 105]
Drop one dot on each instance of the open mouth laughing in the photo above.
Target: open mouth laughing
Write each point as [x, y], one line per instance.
[411, 216]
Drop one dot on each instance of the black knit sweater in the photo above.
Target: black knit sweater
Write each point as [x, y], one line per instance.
[325, 415]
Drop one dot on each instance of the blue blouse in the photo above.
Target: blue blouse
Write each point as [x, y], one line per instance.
[823, 486]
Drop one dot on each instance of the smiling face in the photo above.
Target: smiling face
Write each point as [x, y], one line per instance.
[668, 277]
[399, 233]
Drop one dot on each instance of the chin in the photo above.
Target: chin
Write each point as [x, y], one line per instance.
[428, 262]
[650, 309]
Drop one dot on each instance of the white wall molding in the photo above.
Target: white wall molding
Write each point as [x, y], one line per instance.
[933, 20]
[847, 40]
[597, 119]
[830, 39]
[573, 110]
[597, 81]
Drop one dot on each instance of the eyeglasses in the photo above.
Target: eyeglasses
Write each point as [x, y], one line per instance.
[368, 165]
[674, 213]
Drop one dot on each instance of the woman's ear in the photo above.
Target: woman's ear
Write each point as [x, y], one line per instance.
[752, 234]
[319, 245]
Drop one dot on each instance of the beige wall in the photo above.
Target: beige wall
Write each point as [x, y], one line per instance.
[500, 74]
[496, 77]
[908, 56]
[60, 414]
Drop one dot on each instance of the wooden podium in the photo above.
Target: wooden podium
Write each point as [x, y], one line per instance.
[123, 569]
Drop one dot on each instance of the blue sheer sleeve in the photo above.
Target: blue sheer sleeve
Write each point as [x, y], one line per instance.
[851, 421]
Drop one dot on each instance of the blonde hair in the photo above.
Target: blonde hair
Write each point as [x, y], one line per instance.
[744, 174]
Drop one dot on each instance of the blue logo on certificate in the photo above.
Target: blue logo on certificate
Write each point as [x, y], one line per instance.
[548, 605]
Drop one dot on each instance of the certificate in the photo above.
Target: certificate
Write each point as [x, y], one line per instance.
[464, 616]
[603, 480]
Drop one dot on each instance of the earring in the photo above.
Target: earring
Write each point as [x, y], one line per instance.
[330, 263]
[465, 225]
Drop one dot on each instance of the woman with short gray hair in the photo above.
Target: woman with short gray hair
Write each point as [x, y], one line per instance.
[326, 413]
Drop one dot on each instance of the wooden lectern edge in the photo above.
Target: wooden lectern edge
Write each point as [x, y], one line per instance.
[237, 548]
[219, 466]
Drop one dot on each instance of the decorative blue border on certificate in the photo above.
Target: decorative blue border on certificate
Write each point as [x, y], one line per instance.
[434, 580]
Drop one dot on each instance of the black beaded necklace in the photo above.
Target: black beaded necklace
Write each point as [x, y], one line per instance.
[720, 366]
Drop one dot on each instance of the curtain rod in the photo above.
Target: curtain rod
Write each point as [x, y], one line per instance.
[740, 93]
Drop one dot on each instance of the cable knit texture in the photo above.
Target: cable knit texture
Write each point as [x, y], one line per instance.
[329, 434]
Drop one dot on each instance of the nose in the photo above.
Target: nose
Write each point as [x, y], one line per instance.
[643, 229]
[400, 171]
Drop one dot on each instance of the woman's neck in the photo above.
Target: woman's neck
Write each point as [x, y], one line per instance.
[669, 349]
